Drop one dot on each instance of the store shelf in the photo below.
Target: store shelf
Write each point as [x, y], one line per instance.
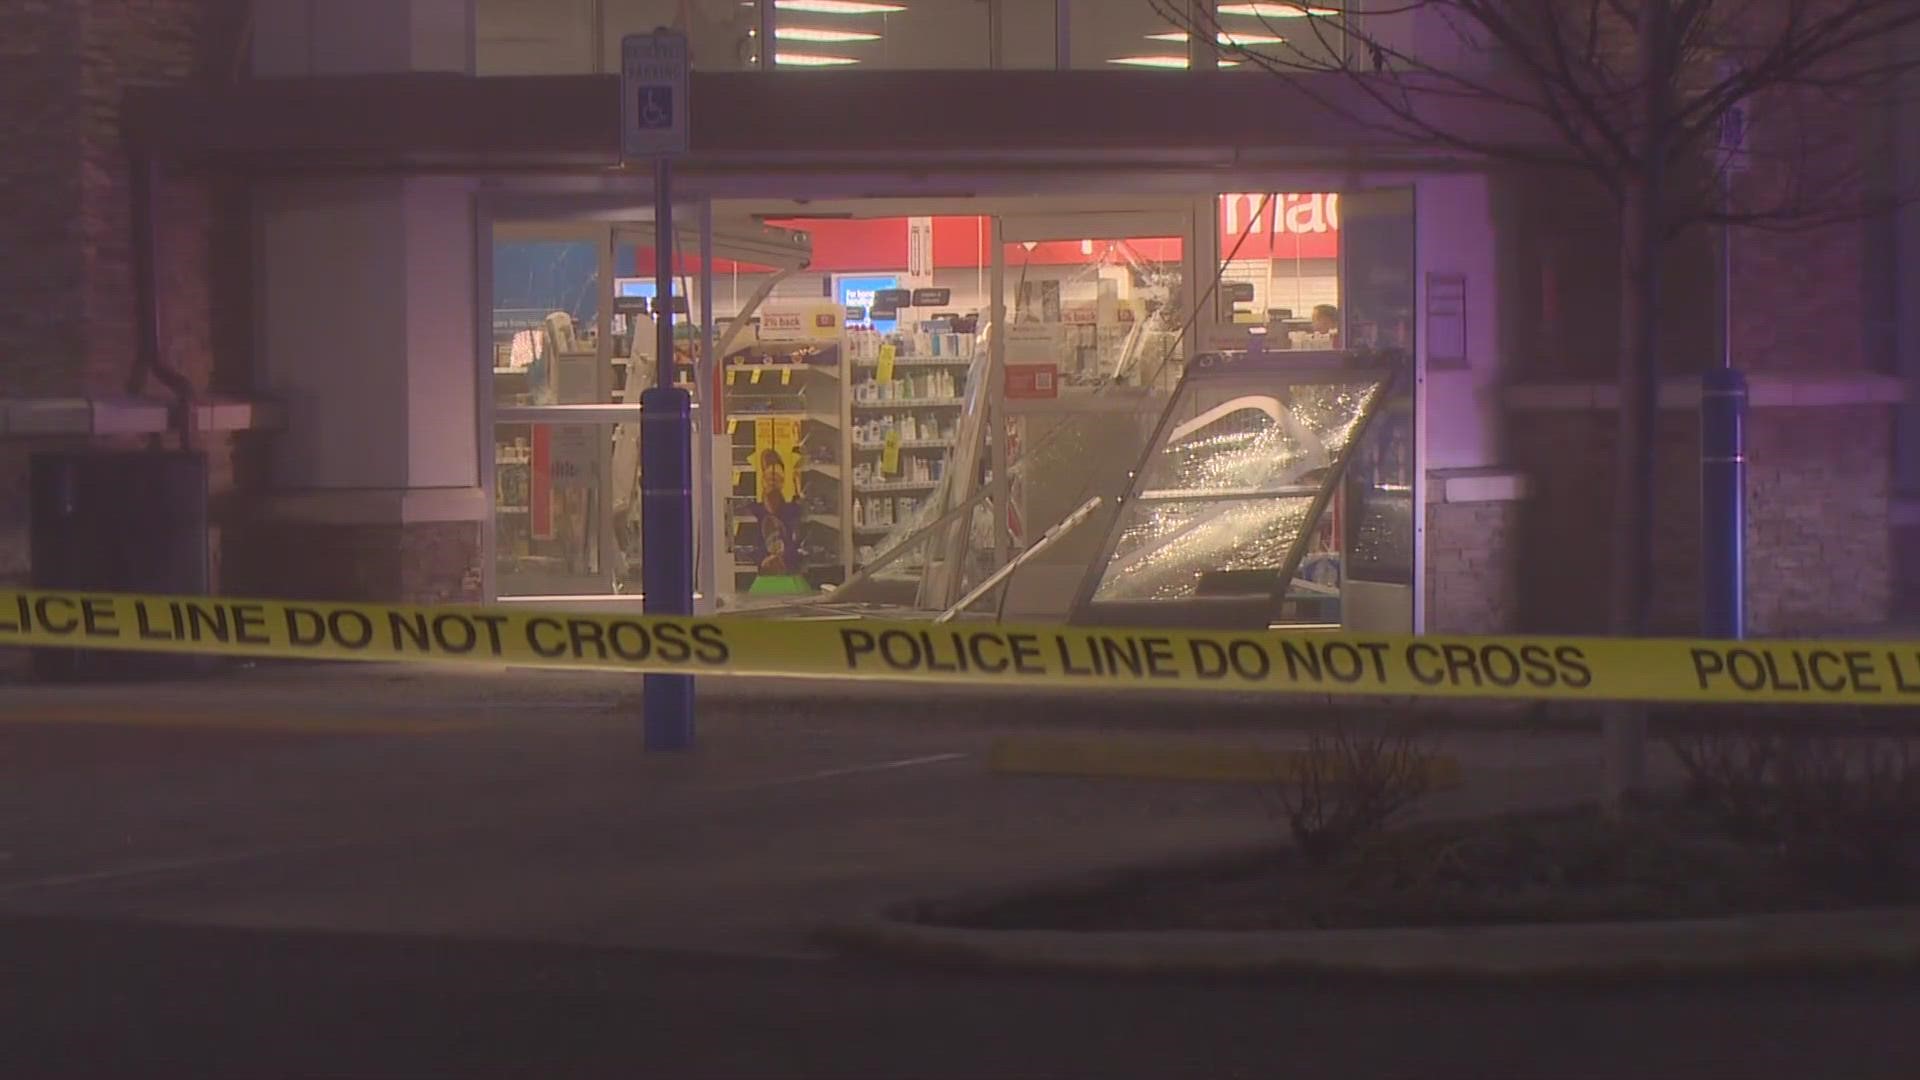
[895, 485]
[911, 403]
[738, 414]
[510, 510]
[920, 361]
[828, 521]
[819, 468]
[757, 373]
[909, 444]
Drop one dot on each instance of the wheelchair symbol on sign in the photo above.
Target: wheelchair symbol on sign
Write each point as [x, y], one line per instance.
[656, 106]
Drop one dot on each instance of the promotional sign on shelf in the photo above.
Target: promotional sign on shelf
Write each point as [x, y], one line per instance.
[1033, 343]
[807, 322]
[890, 454]
[865, 292]
[564, 468]
[777, 459]
[1031, 381]
[540, 484]
[920, 250]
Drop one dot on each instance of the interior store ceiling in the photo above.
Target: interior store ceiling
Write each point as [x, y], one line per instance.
[549, 36]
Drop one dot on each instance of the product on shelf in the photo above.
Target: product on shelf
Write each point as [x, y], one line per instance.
[903, 425]
[784, 409]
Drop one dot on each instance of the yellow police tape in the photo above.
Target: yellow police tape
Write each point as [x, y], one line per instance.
[1596, 669]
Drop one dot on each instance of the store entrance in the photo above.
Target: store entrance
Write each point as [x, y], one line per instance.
[987, 362]
[573, 345]
[918, 408]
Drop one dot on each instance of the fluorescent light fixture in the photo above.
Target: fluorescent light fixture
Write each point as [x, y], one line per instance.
[838, 7]
[791, 59]
[826, 37]
[1275, 11]
[1223, 37]
[1161, 61]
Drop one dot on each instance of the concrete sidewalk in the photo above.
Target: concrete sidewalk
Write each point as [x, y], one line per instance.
[522, 806]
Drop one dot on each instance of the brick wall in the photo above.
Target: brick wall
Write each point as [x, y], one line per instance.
[1819, 545]
[1565, 528]
[67, 307]
[129, 43]
[424, 563]
[1819, 551]
[1472, 579]
[41, 270]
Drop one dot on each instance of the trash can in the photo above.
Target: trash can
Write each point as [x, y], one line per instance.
[119, 521]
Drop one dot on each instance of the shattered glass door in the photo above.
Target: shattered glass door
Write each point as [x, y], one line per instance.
[1234, 485]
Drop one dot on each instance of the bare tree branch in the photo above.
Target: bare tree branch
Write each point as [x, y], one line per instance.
[1635, 95]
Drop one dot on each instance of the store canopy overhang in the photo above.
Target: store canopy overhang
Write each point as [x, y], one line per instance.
[809, 120]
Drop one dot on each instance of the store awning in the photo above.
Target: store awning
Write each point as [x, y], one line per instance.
[806, 119]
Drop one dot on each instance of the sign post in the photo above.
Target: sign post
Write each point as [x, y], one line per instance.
[1723, 407]
[653, 111]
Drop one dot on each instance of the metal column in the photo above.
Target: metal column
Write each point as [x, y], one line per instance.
[997, 399]
[666, 489]
[1723, 503]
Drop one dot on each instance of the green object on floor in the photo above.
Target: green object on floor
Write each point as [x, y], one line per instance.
[779, 585]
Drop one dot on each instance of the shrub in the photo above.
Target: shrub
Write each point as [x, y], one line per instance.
[1350, 785]
[1843, 804]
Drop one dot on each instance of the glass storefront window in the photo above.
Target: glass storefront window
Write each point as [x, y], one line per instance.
[553, 531]
[580, 37]
[1219, 527]
[723, 35]
[1280, 258]
[1291, 35]
[1097, 310]
[1028, 33]
[533, 37]
[1123, 34]
[864, 451]
[573, 346]
[860, 376]
[546, 348]
[895, 34]
[556, 37]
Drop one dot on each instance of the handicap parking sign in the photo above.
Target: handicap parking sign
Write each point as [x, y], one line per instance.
[656, 107]
[653, 80]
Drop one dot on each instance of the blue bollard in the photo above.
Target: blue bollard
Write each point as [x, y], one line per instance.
[666, 566]
[1723, 504]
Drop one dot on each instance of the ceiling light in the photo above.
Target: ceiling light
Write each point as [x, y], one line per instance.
[838, 7]
[1275, 11]
[1151, 61]
[1223, 37]
[810, 33]
[812, 60]
[1161, 61]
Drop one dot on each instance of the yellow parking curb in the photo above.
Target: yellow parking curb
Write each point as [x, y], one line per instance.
[266, 721]
[1146, 759]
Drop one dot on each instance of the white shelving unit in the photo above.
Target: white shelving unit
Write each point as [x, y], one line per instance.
[803, 382]
[904, 427]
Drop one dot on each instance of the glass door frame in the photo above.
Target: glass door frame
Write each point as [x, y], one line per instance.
[1044, 228]
[603, 202]
[604, 219]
